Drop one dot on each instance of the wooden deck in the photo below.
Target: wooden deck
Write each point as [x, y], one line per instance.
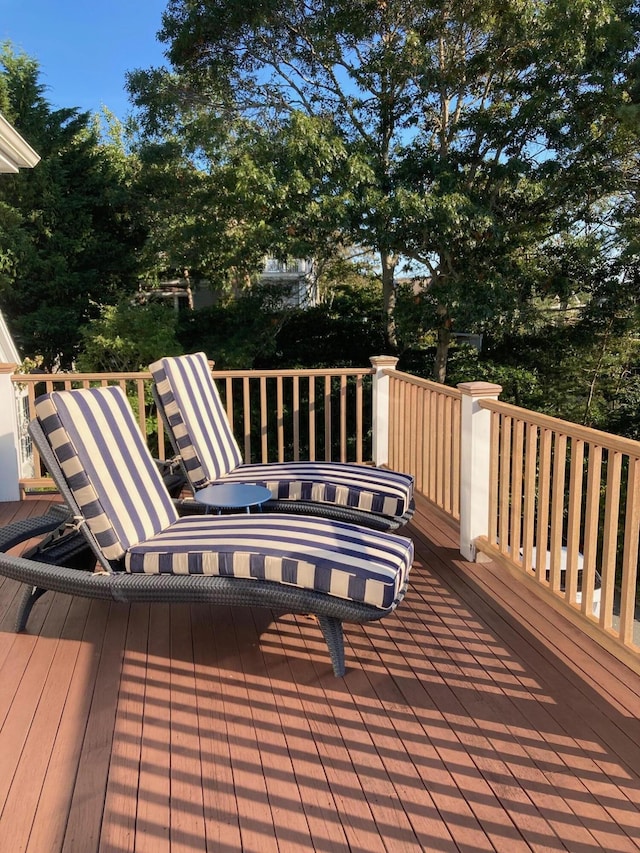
[475, 718]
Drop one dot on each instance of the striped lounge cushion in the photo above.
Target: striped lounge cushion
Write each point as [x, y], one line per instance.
[196, 417]
[340, 559]
[210, 452]
[107, 465]
[357, 486]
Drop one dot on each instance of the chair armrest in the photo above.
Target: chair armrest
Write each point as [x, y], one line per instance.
[27, 528]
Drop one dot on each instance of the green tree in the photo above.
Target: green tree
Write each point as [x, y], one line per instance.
[127, 337]
[471, 138]
[70, 226]
[200, 209]
[222, 194]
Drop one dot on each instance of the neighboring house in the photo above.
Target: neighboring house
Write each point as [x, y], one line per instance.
[15, 154]
[295, 280]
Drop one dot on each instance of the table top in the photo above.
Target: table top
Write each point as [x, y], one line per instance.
[233, 495]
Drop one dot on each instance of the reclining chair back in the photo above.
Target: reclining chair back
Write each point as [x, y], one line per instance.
[196, 419]
[190, 406]
[107, 466]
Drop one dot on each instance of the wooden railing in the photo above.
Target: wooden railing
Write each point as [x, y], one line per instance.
[549, 487]
[564, 508]
[553, 488]
[136, 386]
[300, 414]
[276, 415]
[424, 437]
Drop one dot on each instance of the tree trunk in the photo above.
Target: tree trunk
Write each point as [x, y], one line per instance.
[442, 353]
[388, 264]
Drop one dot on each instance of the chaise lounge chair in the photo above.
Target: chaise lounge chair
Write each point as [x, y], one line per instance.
[191, 410]
[91, 444]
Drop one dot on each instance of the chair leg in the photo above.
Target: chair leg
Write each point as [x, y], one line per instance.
[29, 597]
[333, 634]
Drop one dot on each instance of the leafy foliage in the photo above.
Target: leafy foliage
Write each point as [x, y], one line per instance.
[236, 335]
[70, 226]
[478, 140]
[343, 332]
[127, 337]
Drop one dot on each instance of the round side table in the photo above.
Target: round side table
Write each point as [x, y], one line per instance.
[222, 496]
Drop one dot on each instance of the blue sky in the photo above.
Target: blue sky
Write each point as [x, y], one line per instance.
[85, 47]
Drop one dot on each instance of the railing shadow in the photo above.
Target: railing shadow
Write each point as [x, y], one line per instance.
[457, 726]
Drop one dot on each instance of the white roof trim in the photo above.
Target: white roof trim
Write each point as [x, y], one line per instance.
[15, 153]
[8, 350]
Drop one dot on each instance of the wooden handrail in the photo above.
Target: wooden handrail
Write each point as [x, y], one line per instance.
[577, 431]
[568, 491]
[425, 437]
[564, 509]
[276, 414]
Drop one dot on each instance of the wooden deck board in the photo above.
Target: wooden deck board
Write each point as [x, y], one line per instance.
[51, 695]
[153, 817]
[474, 719]
[56, 791]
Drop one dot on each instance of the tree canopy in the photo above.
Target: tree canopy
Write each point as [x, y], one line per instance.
[69, 228]
[480, 140]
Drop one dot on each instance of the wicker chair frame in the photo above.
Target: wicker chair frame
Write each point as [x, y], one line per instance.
[60, 563]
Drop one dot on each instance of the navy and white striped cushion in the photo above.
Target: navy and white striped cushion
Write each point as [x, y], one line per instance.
[357, 486]
[197, 417]
[210, 452]
[340, 559]
[107, 465]
[117, 485]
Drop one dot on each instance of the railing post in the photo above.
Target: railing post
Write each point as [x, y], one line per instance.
[475, 426]
[9, 436]
[380, 405]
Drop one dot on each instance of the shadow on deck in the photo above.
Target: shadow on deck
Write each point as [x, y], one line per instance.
[474, 718]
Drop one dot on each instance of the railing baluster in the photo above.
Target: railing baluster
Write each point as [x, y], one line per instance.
[359, 419]
[296, 419]
[494, 468]
[447, 453]
[312, 418]
[515, 536]
[610, 536]
[280, 418]
[505, 475]
[228, 388]
[264, 420]
[576, 478]
[395, 392]
[420, 433]
[557, 512]
[630, 553]
[343, 418]
[529, 508]
[246, 403]
[591, 518]
[542, 533]
[438, 457]
[327, 418]
[454, 479]
[433, 446]
[411, 419]
[400, 412]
